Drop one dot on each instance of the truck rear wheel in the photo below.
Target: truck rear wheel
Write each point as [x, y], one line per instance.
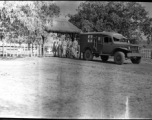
[119, 58]
[88, 55]
[104, 57]
[136, 60]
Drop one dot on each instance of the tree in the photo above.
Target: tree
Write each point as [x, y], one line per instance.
[38, 15]
[4, 25]
[147, 28]
[27, 19]
[121, 17]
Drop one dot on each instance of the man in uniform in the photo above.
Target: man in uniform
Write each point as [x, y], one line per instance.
[74, 48]
[64, 46]
[56, 46]
[70, 47]
[53, 47]
[60, 48]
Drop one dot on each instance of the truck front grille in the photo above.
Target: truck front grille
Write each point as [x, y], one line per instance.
[134, 49]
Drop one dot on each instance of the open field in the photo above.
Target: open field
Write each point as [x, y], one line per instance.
[66, 88]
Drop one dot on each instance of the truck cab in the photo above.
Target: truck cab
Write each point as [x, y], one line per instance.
[105, 44]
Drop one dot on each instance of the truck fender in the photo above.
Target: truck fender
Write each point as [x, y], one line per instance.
[125, 50]
[86, 49]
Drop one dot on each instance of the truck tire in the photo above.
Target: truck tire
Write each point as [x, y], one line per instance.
[88, 55]
[119, 58]
[104, 58]
[136, 60]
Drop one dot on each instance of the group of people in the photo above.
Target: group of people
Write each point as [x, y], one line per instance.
[64, 47]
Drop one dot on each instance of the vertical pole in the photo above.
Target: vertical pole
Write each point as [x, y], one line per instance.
[14, 50]
[6, 49]
[31, 49]
[39, 50]
[24, 50]
[3, 47]
[17, 49]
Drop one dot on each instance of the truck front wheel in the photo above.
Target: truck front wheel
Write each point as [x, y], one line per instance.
[136, 60]
[88, 55]
[119, 58]
[104, 58]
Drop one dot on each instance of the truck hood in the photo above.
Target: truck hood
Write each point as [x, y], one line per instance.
[125, 44]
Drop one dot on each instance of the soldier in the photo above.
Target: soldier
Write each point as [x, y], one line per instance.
[64, 46]
[56, 46]
[70, 48]
[60, 49]
[74, 48]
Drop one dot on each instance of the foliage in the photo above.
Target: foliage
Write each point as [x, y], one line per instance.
[26, 19]
[121, 17]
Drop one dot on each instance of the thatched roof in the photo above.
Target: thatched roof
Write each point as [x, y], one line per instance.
[62, 26]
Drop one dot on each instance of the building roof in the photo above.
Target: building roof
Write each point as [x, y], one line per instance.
[62, 26]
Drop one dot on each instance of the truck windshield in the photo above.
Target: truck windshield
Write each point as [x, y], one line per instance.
[120, 40]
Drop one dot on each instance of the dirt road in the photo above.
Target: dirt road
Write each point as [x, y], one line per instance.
[65, 88]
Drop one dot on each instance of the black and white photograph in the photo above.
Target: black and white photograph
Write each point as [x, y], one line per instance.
[76, 59]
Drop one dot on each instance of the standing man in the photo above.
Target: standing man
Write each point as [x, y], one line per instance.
[70, 48]
[64, 46]
[56, 46]
[59, 47]
[74, 49]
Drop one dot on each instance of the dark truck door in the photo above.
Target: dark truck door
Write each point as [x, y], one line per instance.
[97, 44]
[107, 45]
[100, 44]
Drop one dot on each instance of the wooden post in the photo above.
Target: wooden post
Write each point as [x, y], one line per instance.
[17, 50]
[40, 50]
[3, 47]
[30, 50]
[33, 50]
[10, 50]
[6, 49]
[23, 49]
[13, 50]
[37, 50]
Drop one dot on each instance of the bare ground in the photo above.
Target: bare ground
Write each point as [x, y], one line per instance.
[54, 87]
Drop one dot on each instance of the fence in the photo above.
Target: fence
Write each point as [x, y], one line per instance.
[24, 50]
[146, 53]
[36, 50]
